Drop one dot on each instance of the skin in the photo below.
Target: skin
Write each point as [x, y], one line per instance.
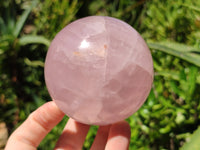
[29, 135]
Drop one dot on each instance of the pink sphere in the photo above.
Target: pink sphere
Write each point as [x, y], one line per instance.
[98, 70]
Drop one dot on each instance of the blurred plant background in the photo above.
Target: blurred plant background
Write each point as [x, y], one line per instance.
[169, 119]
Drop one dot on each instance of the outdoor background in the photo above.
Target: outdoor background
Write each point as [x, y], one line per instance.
[170, 117]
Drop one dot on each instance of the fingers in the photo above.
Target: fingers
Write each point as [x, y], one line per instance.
[73, 136]
[115, 137]
[33, 130]
[40, 122]
[119, 136]
[101, 138]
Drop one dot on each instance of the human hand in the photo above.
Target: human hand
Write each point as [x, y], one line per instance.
[29, 135]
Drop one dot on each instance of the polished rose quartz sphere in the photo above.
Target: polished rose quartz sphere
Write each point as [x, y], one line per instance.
[98, 70]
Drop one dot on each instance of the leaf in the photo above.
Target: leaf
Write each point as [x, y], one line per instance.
[192, 80]
[180, 47]
[179, 118]
[5, 41]
[33, 39]
[22, 19]
[198, 79]
[192, 7]
[169, 74]
[185, 55]
[194, 141]
[34, 63]
[2, 26]
[176, 76]
[165, 130]
[1, 51]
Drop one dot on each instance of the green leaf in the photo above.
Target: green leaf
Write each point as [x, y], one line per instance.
[192, 7]
[185, 55]
[2, 26]
[1, 51]
[5, 42]
[165, 129]
[176, 75]
[193, 143]
[33, 39]
[34, 63]
[22, 19]
[169, 74]
[179, 118]
[192, 80]
[179, 47]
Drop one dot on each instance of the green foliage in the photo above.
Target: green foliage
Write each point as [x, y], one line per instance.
[13, 71]
[122, 9]
[53, 15]
[32, 39]
[182, 51]
[170, 20]
[172, 30]
[193, 141]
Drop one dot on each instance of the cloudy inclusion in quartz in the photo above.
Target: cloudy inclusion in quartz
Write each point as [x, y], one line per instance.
[98, 70]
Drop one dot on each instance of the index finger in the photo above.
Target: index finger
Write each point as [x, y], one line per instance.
[29, 135]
